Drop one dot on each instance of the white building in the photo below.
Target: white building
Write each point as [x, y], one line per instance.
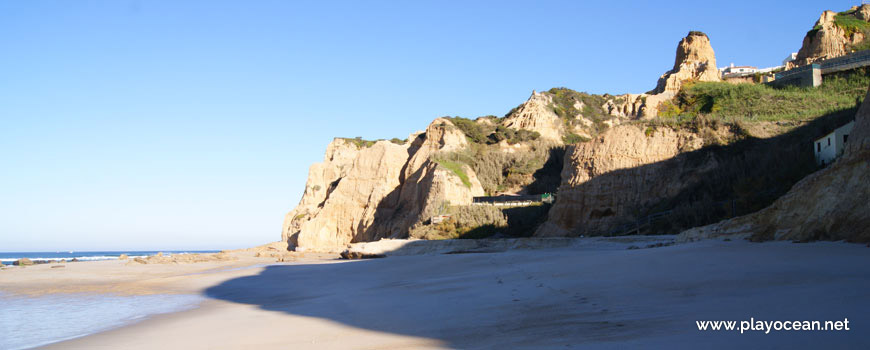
[832, 145]
[791, 57]
[734, 71]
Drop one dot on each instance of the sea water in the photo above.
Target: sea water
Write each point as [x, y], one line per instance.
[7, 258]
[27, 322]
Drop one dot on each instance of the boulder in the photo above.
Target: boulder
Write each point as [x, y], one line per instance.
[354, 255]
[23, 262]
[123, 257]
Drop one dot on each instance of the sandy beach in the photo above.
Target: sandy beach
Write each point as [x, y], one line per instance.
[599, 296]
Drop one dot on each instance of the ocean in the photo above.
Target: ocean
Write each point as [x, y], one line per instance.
[27, 322]
[7, 258]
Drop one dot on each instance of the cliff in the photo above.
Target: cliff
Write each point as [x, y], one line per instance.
[606, 181]
[834, 34]
[830, 204]
[611, 159]
[363, 193]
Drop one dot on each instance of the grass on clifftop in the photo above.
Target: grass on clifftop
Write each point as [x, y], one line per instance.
[456, 168]
[850, 24]
[758, 102]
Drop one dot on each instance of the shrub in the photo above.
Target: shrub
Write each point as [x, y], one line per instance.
[360, 142]
[474, 131]
[465, 222]
[499, 171]
[572, 138]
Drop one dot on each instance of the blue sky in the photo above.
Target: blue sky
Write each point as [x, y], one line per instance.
[191, 124]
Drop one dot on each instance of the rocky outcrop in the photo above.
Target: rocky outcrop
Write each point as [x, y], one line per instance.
[23, 262]
[537, 114]
[828, 40]
[159, 258]
[363, 194]
[830, 204]
[625, 106]
[607, 181]
[695, 61]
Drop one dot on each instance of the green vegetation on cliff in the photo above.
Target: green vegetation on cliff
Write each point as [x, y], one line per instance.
[758, 102]
[490, 132]
[850, 23]
[535, 169]
[456, 168]
[567, 104]
[361, 143]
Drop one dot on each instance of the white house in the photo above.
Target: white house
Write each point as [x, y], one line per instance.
[832, 145]
[733, 71]
[791, 57]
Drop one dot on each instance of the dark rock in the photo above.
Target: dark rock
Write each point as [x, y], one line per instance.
[23, 262]
[349, 255]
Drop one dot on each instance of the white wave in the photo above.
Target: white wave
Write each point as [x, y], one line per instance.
[79, 258]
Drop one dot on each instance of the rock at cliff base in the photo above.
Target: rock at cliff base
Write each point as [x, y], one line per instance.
[354, 255]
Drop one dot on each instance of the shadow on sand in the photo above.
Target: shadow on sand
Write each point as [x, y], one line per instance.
[565, 298]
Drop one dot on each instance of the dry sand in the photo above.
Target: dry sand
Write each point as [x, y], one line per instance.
[592, 295]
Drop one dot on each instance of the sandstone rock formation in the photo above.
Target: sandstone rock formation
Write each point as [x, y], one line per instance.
[695, 61]
[363, 194]
[605, 181]
[828, 40]
[537, 114]
[831, 204]
[625, 106]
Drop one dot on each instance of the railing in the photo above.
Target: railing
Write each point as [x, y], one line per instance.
[852, 60]
[795, 71]
[860, 58]
[507, 199]
[643, 223]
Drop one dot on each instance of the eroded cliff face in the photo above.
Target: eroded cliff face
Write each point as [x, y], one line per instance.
[828, 40]
[609, 180]
[695, 61]
[831, 204]
[536, 114]
[365, 193]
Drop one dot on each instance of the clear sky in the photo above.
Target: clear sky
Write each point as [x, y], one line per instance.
[191, 124]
